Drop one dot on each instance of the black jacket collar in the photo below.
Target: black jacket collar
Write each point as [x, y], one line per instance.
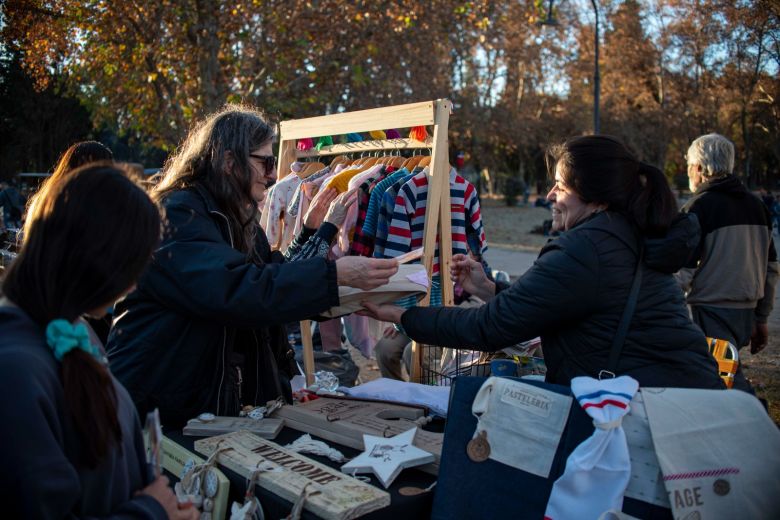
[726, 184]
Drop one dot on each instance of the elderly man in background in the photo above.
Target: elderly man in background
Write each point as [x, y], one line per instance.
[730, 281]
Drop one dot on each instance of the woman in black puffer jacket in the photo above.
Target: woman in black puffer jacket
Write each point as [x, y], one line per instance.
[609, 207]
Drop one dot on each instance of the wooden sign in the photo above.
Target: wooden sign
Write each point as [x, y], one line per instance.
[265, 428]
[331, 493]
[344, 421]
[175, 457]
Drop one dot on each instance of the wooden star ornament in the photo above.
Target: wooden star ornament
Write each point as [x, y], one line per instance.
[386, 457]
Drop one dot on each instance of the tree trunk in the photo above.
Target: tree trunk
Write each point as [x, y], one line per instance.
[747, 141]
[208, 62]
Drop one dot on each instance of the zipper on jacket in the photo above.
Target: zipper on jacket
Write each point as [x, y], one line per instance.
[239, 383]
[257, 369]
[224, 329]
[222, 376]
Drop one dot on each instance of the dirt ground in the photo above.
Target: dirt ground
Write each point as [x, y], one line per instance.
[510, 228]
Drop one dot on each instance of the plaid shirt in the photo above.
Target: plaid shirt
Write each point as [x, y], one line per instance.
[362, 243]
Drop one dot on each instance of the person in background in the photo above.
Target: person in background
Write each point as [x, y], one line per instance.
[730, 280]
[203, 331]
[776, 213]
[613, 212]
[71, 444]
[391, 350]
[12, 202]
[78, 154]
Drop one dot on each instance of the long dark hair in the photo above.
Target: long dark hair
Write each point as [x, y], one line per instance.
[203, 160]
[87, 241]
[602, 170]
[77, 154]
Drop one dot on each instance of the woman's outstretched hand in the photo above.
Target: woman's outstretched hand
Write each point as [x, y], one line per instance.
[471, 276]
[337, 212]
[385, 312]
[319, 207]
[365, 273]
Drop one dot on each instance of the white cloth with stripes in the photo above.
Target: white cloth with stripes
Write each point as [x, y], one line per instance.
[598, 470]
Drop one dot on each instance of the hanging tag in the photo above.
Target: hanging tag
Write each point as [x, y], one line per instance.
[478, 448]
[154, 437]
[211, 483]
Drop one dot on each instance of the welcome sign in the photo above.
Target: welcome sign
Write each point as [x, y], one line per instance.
[330, 493]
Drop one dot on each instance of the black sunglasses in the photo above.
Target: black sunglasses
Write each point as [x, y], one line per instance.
[268, 160]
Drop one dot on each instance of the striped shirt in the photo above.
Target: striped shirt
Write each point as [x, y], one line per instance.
[372, 213]
[386, 208]
[406, 229]
[362, 244]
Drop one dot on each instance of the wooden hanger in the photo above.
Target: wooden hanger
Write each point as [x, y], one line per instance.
[370, 161]
[310, 169]
[408, 162]
[339, 159]
[414, 162]
[397, 162]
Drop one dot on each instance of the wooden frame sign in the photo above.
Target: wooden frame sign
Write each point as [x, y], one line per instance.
[345, 421]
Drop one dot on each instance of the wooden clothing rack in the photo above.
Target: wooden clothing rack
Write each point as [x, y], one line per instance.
[437, 215]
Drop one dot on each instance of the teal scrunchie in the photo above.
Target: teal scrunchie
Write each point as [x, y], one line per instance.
[62, 336]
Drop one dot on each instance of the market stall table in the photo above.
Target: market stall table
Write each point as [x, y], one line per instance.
[402, 505]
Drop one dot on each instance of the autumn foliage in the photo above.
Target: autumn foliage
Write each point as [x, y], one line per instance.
[670, 69]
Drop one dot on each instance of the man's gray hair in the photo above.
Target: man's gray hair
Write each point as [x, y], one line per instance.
[714, 153]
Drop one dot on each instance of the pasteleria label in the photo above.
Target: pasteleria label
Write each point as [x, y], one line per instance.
[534, 402]
[338, 496]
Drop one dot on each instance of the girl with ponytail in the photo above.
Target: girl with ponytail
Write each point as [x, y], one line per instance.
[71, 442]
[616, 215]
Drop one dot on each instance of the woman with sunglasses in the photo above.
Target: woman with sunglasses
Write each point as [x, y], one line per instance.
[203, 331]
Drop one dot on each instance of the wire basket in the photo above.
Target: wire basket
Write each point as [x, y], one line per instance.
[440, 366]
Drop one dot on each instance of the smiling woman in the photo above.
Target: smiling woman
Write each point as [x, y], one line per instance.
[203, 331]
[567, 206]
[618, 216]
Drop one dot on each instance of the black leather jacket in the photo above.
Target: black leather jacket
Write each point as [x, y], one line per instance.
[573, 297]
[203, 330]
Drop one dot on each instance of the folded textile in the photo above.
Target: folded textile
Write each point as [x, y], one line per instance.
[434, 397]
[718, 450]
[599, 469]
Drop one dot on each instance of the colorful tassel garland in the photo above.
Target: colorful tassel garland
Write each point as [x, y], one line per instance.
[305, 144]
[418, 133]
[325, 140]
[377, 134]
[393, 134]
[354, 138]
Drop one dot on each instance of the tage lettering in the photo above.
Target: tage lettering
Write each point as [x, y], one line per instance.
[686, 497]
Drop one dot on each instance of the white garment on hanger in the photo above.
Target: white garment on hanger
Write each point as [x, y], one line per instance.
[278, 224]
